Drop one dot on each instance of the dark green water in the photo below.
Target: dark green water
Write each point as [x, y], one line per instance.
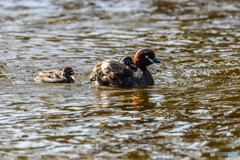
[192, 110]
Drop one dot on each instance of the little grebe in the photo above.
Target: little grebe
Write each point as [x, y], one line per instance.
[120, 74]
[54, 76]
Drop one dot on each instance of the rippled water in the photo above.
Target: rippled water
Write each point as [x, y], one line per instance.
[193, 108]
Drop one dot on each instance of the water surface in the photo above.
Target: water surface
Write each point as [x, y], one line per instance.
[193, 108]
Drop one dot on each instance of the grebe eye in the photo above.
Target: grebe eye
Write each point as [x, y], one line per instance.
[146, 56]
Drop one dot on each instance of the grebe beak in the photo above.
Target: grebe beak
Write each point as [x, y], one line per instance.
[154, 60]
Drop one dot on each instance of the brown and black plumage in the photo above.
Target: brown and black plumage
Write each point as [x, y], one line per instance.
[54, 76]
[120, 74]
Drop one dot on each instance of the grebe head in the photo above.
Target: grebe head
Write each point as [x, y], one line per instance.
[144, 58]
[129, 62]
[68, 71]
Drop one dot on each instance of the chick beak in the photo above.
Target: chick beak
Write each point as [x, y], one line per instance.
[73, 72]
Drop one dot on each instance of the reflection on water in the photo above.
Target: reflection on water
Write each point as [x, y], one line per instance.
[192, 110]
[136, 99]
